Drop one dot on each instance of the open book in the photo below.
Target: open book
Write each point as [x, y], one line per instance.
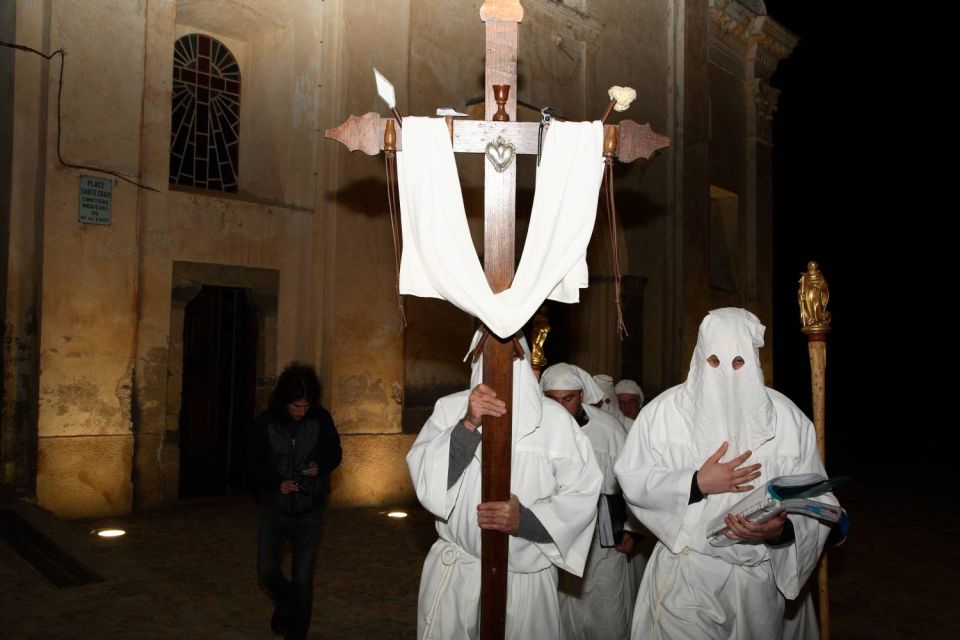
[785, 493]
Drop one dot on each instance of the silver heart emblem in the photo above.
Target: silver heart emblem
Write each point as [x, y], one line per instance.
[500, 154]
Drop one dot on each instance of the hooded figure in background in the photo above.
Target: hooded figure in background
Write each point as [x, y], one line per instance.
[598, 605]
[691, 455]
[609, 402]
[555, 482]
[629, 397]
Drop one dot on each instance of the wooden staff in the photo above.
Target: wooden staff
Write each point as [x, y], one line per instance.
[813, 297]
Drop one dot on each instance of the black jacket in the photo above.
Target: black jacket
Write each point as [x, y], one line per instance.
[283, 449]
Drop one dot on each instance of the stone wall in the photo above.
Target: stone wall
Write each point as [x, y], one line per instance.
[93, 314]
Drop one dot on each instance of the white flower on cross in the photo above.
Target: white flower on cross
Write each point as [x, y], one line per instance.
[624, 96]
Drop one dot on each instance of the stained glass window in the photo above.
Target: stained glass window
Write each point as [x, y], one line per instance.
[205, 123]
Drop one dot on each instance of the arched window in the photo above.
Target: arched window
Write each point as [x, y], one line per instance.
[205, 123]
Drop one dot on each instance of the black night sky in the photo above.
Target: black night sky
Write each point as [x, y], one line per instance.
[827, 204]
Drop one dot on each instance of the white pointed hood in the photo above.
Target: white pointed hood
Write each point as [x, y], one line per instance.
[629, 387]
[566, 377]
[721, 404]
[527, 398]
[610, 403]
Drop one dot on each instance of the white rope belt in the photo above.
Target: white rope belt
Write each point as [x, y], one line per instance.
[451, 554]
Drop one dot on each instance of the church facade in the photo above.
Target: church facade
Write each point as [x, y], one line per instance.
[176, 228]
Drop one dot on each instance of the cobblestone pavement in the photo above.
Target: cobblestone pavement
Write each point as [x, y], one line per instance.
[189, 572]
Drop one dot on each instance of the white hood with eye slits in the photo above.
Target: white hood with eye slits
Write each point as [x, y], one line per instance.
[722, 404]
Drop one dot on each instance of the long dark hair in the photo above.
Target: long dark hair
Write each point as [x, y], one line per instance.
[296, 382]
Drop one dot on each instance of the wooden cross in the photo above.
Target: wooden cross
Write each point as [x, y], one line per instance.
[631, 141]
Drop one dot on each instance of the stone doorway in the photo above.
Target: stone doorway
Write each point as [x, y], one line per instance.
[221, 368]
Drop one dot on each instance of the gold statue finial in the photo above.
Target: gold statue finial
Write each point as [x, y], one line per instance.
[813, 297]
[540, 329]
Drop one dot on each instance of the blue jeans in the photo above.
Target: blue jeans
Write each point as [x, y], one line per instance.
[294, 597]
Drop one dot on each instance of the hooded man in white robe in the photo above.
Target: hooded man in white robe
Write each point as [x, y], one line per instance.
[629, 397]
[555, 482]
[598, 605]
[609, 403]
[693, 452]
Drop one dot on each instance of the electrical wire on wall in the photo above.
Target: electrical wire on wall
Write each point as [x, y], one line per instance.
[63, 55]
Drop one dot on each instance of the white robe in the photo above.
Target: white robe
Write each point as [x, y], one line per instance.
[800, 621]
[691, 589]
[554, 474]
[599, 604]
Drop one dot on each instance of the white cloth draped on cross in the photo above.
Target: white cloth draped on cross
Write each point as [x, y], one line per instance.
[439, 259]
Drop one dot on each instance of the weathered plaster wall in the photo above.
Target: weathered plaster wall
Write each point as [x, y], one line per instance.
[373, 471]
[691, 175]
[745, 48]
[283, 120]
[728, 170]
[91, 309]
[628, 44]
[366, 387]
[89, 300]
[107, 289]
[267, 226]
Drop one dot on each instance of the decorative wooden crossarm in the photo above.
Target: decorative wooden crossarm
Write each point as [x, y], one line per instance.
[365, 133]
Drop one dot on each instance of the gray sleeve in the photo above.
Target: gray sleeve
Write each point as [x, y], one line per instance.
[463, 444]
[531, 528]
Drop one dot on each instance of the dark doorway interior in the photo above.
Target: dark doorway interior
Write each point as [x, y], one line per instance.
[218, 398]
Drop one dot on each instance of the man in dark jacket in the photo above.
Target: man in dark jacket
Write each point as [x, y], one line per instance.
[295, 446]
